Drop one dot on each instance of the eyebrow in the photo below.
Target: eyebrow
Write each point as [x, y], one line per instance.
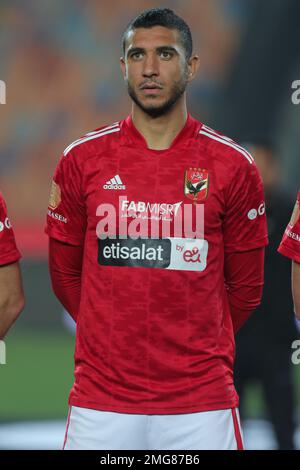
[158, 49]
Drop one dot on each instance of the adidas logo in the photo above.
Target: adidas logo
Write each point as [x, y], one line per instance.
[114, 183]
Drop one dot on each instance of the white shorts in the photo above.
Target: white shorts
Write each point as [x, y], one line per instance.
[107, 430]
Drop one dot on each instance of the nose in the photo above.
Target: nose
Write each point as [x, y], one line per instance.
[150, 65]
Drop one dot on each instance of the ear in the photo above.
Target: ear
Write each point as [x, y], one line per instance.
[193, 67]
[123, 67]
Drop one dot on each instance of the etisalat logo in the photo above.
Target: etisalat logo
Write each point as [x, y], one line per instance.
[2, 92]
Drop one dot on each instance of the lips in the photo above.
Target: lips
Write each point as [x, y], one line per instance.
[151, 86]
[151, 91]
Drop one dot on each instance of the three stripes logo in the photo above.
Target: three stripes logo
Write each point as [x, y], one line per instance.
[114, 183]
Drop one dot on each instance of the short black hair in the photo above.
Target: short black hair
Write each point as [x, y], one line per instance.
[162, 17]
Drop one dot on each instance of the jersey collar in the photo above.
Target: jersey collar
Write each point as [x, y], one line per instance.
[189, 130]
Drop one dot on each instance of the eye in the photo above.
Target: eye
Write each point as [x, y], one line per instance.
[136, 55]
[166, 54]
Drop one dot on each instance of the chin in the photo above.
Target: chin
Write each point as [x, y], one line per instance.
[154, 104]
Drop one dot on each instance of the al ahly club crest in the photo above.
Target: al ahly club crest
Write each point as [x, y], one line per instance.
[196, 184]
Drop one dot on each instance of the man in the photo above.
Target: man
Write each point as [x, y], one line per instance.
[155, 317]
[263, 346]
[290, 247]
[11, 291]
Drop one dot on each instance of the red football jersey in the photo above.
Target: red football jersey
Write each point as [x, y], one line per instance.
[8, 249]
[154, 332]
[290, 244]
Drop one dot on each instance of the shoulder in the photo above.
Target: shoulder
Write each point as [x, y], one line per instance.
[100, 136]
[225, 149]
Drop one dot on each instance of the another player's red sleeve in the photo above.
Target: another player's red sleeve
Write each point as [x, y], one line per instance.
[245, 223]
[9, 252]
[66, 216]
[290, 243]
[244, 280]
[65, 263]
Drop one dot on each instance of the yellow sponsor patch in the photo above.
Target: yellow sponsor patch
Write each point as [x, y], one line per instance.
[55, 196]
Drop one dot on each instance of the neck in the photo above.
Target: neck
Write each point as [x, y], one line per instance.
[160, 132]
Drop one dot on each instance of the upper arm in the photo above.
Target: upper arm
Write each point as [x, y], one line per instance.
[290, 243]
[9, 252]
[66, 215]
[245, 223]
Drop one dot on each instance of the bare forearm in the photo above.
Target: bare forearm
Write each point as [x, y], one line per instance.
[296, 287]
[9, 313]
[11, 296]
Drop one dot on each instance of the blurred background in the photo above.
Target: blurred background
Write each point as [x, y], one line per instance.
[60, 63]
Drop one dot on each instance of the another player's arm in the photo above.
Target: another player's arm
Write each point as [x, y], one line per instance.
[11, 296]
[296, 287]
[290, 247]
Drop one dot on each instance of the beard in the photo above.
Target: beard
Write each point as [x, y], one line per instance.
[177, 90]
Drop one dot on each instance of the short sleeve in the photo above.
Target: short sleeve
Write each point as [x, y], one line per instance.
[245, 223]
[66, 215]
[290, 243]
[9, 252]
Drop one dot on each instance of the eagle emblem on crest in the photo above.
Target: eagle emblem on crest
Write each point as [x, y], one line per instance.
[196, 184]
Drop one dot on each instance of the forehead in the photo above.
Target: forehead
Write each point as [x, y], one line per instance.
[156, 36]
